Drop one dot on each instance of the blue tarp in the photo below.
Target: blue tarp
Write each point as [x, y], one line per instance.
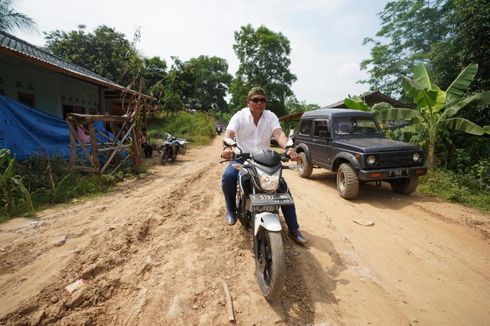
[28, 132]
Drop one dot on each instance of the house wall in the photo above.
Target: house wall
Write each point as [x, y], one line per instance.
[78, 94]
[49, 90]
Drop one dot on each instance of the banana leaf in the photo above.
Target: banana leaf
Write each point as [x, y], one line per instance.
[480, 98]
[431, 98]
[395, 114]
[356, 104]
[464, 125]
[422, 78]
[459, 86]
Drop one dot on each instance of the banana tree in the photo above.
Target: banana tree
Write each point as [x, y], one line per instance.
[436, 109]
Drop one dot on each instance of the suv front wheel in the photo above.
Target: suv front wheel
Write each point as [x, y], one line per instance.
[304, 166]
[347, 181]
[404, 186]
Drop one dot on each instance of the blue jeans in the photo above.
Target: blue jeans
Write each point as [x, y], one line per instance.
[228, 185]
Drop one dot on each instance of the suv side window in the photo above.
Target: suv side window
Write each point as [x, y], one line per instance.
[320, 128]
[305, 127]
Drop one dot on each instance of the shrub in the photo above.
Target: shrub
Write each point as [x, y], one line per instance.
[14, 196]
[196, 127]
[467, 189]
[46, 181]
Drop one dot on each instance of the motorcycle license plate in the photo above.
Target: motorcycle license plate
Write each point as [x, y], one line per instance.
[271, 199]
[399, 173]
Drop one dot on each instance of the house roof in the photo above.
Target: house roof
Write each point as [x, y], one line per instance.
[370, 99]
[14, 46]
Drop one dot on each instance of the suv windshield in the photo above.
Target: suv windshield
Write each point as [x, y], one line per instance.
[355, 127]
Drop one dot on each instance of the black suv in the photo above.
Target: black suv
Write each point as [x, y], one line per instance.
[351, 143]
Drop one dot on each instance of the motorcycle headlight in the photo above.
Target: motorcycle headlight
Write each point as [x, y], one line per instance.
[416, 157]
[269, 182]
[371, 159]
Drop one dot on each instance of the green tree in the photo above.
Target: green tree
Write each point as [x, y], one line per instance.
[410, 27]
[105, 52]
[468, 41]
[154, 74]
[211, 82]
[292, 105]
[11, 20]
[264, 61]
[201, 83]
[435, 110]
[445, 35]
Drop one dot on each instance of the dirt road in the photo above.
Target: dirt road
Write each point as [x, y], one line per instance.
[156, 252]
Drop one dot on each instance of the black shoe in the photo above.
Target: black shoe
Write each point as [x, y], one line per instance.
[297, 237]
[231, 220]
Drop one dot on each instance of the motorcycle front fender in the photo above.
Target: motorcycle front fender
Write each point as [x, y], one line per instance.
[268, 221]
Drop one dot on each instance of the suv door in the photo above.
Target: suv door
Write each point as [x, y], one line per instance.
[320, 143]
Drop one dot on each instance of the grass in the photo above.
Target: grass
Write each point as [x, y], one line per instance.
[196, 127]
[50, 181]
[456, 188]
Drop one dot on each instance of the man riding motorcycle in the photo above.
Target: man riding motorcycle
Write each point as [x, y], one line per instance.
[253, 127]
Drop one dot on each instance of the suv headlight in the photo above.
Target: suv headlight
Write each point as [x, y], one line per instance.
[371, 159]
[269, 182]
[416, 157]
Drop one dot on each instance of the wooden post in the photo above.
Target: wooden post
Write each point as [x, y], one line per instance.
[136, 151]
[73, 145]
[93, 142]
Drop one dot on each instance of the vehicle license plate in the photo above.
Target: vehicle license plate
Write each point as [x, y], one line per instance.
[271, 199]
[399, 173]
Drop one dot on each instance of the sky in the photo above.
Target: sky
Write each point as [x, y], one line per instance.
[325, 35]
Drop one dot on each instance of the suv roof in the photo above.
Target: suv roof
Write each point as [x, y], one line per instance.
[328, 113]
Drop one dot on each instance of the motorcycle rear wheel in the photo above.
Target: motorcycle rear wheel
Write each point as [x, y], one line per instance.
[269, 263]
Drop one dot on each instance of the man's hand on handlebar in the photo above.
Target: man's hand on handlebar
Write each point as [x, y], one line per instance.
[291, 153]
[228, 153]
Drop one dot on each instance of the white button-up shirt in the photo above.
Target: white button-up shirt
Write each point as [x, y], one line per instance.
[251, 138]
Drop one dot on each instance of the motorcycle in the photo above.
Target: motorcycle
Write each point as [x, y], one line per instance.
[171, 147]
[261, 190]
[219, 130]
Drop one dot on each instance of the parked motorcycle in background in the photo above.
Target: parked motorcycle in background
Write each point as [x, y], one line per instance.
[261, 190]
[219, 128]
[171, 147]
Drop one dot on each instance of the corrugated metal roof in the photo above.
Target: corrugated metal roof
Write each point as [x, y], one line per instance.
[22, 47]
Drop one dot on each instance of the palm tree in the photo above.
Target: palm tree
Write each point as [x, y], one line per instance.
[436, 109]
[11, 20]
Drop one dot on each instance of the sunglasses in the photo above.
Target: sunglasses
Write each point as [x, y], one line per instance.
[258, 100]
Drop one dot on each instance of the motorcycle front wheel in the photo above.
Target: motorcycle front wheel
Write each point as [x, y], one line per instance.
[269, 263]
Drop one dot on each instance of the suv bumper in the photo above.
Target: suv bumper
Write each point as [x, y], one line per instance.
[386, 174]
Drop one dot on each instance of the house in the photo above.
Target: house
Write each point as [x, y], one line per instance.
[370, 99]
[44, 81]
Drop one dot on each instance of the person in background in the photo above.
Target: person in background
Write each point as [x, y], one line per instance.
[219, 128]
[147, 149]
[253, 127]
[82, 134]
